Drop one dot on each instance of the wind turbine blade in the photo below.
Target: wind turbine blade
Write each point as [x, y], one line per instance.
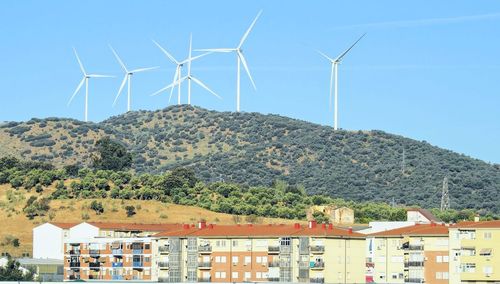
[79, 62]
[166, 53]
[144, 69]
[76, 91]
[196, 57]
[204, 86]
[120, 89]
[169, 86]
[244, 62]
[100, 76]
[339, 58]
[249, 29]
[331, 87]
[173, 81]
[217, 49]
[325, 56]
[119, 59]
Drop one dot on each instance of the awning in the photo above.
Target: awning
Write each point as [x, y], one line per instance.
[485, 251]
[115, 245]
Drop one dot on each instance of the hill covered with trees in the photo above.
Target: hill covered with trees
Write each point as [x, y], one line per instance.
[257, 150]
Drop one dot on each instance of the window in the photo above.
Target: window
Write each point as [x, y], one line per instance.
[235, 259]
[339, 275]
[247, 275]
[439, 275]
[235, 243]
[264, 260]
[248, 260]
[258, 275]
[394, 276]
[468, 267]
[220, 274]
[446, 275]
[147, 259]
[439, 259]
[487, 235]
[258, 259]
[488, 270]
[220, 259]
[446, 258]
[287, 241]
[147, 246]
[235, 275]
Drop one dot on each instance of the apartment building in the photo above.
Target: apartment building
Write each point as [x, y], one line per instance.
[57, 233]
[475, 252]
[259, 253]
[413, 254]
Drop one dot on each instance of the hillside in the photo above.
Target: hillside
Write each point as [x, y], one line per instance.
[256, 149]
[16, 225]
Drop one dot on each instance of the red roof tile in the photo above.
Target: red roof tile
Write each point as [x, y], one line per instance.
[479, 224]
[415, 230]
[63, 225]
[135, 226]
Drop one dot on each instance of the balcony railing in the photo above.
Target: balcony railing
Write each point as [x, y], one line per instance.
[273, 279]
[74, 252]
[163, 264]
[205, 264]
[414, 263]
[117, 277]
[416, 247]
[204, 279]
[164, 249]
[137, 251]
[273, 249]
[317, 280]
[414, 280]
[96, 277]
[317, 249]
[137, 264]
[318, 265]
[94, 265]
[117, 251]
[117, 264]
[205, 249]
[74, 264]
[74, 277]
[94, 252]
[163, 279]
[273, 264]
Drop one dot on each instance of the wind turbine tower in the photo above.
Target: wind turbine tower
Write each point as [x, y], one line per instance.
[334, 79]
[445, 196]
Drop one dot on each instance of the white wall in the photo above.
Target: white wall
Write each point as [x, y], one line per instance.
[376, 227]
[83, 231]
[48, 242]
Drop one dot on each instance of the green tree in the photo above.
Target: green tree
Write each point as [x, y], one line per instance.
[12, 272]
[111, 155]
[97, 207]
[130, 210]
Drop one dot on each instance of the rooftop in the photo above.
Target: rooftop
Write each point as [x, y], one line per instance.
[432, 229]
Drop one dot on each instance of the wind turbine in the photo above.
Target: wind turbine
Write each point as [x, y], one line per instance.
[188, 77]
[240, 60]
[334, 77]
[127, 78]
[85, 80]
[178, 73]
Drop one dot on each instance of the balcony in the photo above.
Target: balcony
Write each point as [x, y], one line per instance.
[137, 251]
[205, 249]
[414, 263]
[94, 265]
[117, 251]
[273, 264]
[137, 264]
[164, 249]
[117, 277]
[163, 264]
[273, 279]
[317, 265]
[273, 249]
[94, 252]
[74, 252]
[415, 247]
[317, 249]
[117, 264]
[204, 279]
[74, 264]
[204, 264]
[414, 280]
[317, 280]
[95, 277]
[74, 277]
[163, 279]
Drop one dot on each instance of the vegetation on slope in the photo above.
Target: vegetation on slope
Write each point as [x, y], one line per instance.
[256, 150]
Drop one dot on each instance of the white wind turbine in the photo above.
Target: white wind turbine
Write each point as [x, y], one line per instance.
[178, 73]
[127, 78]
[86, 81]
[334, 77]
[177, 82]
[240, 60]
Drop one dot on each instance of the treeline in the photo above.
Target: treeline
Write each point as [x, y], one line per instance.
[182, 186]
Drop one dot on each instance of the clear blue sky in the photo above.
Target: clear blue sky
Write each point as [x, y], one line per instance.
[428, 70]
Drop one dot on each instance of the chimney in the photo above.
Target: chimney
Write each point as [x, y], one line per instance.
[296, 226]
[211, 226]
[312, 224]
[433, 224]
[330, 226]
[350, 230]
[185, 226]
[476, 218]
[202, 224]
[323, 226]
[250, 225]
